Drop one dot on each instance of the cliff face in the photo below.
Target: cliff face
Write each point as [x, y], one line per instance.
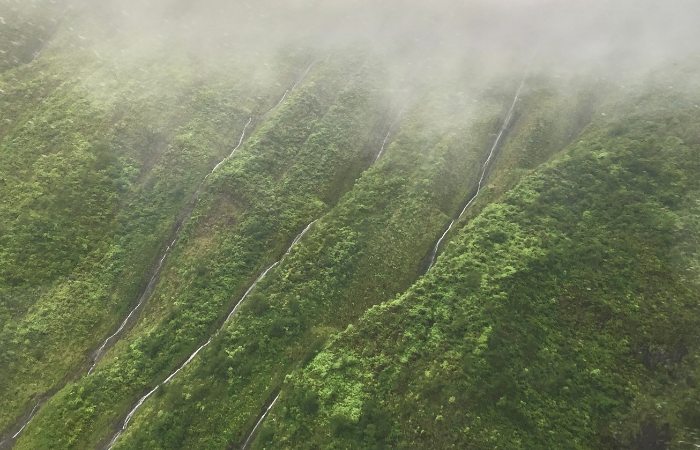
[214, 237]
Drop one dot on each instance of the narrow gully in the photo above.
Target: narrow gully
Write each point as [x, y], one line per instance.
[509, 116]
[135, 312]
[382, 149]
[233, 312]
[140, 402]
[255, 428]
[150, 287]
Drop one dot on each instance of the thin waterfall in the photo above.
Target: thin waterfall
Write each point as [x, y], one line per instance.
[485, 167]
[250, 289]
[252, 433]
[141, 401]
[145, 294]
[31, 416]
[433, 256]
[379, 155]
[289, 91]
[381, 150]
[240, 141]
[150, 287]
[245, 295]
[282, 99]
[133, 314]
[391, 128]
[33, 412]
[303, 76]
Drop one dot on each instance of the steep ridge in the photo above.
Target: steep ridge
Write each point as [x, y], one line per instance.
[140, 402]
[185, 215]
[253, 187]
[100, 175]
[562, 316]
[484, 170]
[217, 235]
[563, 106]
[133, 315]
[344, 264]
[550, 117]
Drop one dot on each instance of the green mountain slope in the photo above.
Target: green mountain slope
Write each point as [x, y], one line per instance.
[97, 167]
[563, 316]
[217, 223]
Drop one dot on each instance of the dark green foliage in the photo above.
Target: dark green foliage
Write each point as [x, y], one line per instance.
[266, 212]
[309, 403]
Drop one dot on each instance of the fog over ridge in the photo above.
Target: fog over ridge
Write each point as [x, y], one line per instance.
[577, 29]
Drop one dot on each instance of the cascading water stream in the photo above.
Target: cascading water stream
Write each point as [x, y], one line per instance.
[142, 299]
[134, 313]
[31, 416]
[381, 150]
[281, 100]
[486, 164]
[379, 155]
[240, 142]
[252, 433]
[484, 169]
[33, 412]
[303, 76]
[145, 295]
[288, 91]
[391, 128]
[248, 291]
[141, 401]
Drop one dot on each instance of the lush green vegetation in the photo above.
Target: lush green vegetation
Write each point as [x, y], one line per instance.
[562, 312]
[251, 209]
[95, 169]
[563, 316]
[370, 247]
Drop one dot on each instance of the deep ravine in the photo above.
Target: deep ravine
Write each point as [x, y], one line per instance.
[250, 436]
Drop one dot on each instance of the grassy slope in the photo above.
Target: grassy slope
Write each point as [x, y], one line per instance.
[98, 158]
[563, 316]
